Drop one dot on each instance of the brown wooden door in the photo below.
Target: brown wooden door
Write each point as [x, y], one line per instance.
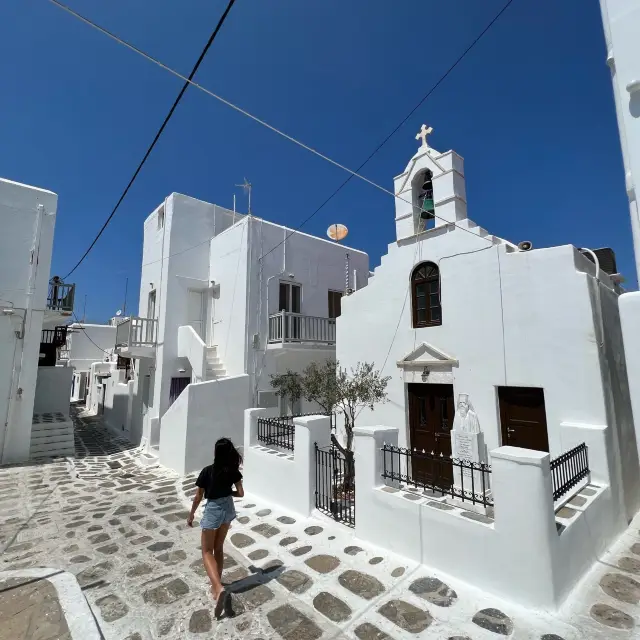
[431, 410]
[523, 418]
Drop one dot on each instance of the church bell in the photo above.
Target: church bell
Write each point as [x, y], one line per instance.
[427, 207]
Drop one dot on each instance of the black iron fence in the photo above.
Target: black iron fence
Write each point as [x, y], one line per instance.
[462, 479]
[280, 431]
[568, 469]
[276, 432]
[335, 483]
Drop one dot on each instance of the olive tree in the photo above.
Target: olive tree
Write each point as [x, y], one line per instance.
[334, 388]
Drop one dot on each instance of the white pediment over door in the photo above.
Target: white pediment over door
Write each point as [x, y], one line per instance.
[427, 363]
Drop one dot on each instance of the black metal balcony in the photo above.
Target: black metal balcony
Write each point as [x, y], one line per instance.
[61, 295]
[56, 337]
[50, 341]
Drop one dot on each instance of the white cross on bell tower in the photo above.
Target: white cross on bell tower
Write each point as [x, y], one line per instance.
[423, 133]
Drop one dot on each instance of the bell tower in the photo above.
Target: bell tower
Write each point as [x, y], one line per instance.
[431, 191]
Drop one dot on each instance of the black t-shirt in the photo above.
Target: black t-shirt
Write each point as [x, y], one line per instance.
[218, 484]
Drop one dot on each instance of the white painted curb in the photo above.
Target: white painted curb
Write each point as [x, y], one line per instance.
[77, 612]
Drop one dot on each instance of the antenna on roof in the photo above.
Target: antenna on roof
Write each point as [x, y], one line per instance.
[246, 187]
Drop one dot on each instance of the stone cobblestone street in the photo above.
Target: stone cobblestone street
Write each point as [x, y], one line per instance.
[119, 527]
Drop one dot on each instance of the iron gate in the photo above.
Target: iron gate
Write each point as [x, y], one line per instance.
[335, 483]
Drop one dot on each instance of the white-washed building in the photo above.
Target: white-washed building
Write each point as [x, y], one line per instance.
[621, 21]
[226, 300]
[34, 392]
[86, 343]
[501, 354]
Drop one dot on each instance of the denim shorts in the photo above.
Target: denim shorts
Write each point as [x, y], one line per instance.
[218, 512]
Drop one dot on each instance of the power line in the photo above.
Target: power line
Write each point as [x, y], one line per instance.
[164, 124]
[400, 124]
[82, 327]
[282, 133]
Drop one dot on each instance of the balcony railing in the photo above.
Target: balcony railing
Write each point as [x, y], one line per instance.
[60, 297]
[137, 332]
[288, 327]
[569, 470]
[56, 337]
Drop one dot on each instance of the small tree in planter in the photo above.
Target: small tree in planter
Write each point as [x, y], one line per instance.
[334, 388]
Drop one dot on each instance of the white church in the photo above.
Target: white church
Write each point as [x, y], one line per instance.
[499, 353]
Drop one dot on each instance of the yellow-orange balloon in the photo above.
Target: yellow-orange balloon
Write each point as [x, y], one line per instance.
[337, 232]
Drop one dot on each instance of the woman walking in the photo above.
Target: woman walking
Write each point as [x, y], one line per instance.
[216, 483]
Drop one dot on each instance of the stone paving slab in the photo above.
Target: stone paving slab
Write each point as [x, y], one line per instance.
[117, 523]
[44, 604]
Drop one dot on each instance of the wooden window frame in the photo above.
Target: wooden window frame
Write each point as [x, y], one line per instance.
[415, 282]
[289, 298]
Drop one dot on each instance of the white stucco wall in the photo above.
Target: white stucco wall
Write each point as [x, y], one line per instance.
[621, 20]
[204, 412]
[175, 259]
[288, 481]
[547, 339]
[208, 249]
[228, 317]
[522, 541]
[53, 389]
[630, 317]
[82, 351]
[319, 266]
[25, 259]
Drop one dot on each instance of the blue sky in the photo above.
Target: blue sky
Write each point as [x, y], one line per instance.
[530, 109]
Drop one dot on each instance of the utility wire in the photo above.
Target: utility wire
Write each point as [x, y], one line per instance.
[164, 124]
[82, 328]
[278, 131]
[398, 126]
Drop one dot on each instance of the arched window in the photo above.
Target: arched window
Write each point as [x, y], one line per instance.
[425, 293]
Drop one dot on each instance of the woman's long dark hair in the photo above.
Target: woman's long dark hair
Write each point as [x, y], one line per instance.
[226, 457]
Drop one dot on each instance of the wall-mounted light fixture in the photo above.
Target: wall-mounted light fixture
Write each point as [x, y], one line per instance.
[425, 374]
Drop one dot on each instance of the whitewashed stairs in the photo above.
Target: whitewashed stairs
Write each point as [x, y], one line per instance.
[51, 436]
[215, 368]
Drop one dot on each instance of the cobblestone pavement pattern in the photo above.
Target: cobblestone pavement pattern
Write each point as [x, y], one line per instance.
[119, 526]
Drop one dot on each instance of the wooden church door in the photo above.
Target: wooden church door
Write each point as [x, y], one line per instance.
[431, 411]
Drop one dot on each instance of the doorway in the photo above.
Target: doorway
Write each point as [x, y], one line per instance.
[523, 418]
[289, 301]
[197, 312]
[431, 411]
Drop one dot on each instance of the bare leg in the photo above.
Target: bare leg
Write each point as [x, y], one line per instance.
[208, 543]
[218, 544]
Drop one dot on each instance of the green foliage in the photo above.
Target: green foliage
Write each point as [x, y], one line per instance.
[335, 389]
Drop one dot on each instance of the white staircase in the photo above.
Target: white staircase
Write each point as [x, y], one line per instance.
[51, 436]
[215, 369]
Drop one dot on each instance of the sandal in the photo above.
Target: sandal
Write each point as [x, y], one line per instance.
[220, 603]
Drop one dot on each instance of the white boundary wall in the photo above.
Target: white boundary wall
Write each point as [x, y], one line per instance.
[53, 388]
[629, 304]
[286, 480]
[521, 556]
[203, 413]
